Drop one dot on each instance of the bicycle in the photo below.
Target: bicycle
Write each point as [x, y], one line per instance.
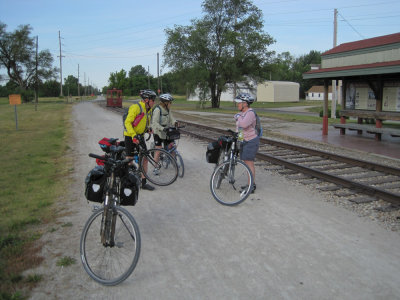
[110, 241]
[173, 134]
[232, 181]
[154, 170]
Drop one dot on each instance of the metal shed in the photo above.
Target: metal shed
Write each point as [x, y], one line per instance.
[278, 91]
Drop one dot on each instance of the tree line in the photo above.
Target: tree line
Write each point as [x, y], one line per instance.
[227, 45]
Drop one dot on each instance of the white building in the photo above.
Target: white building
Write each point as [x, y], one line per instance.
[316, 92]
[278, 91]
[268, 91]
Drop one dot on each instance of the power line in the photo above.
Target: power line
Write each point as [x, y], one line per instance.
[351, 26]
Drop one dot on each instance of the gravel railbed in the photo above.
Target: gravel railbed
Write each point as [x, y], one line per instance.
[378, 211]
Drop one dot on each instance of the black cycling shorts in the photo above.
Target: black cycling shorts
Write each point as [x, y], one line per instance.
[130, 147]
[159, 141]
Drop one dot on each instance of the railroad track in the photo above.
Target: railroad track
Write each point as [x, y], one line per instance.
[359, 176]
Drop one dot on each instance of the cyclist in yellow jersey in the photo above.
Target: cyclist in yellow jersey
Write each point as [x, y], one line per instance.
[137, 123]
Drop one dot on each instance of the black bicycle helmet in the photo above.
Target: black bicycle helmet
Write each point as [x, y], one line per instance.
[148, 94]
[244, 97]
[166, 98]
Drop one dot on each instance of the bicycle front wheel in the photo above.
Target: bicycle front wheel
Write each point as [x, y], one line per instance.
[154, 171]
[231, 182]
[110, 263]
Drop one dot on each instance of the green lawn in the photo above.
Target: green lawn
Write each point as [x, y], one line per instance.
[32, 178]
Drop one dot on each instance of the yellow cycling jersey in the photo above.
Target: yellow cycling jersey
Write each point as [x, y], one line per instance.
[141, 127]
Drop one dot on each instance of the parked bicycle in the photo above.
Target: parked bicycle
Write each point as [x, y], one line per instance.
[154, 171]
[110, 241]
[231, 182]
[173, 134]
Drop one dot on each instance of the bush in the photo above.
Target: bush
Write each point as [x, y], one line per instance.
[321, 113]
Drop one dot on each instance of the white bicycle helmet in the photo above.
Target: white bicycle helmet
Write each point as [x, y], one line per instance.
[244, 97]
[148, 94]
[166, 98]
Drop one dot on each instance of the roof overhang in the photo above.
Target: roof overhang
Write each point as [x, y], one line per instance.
[392, 67]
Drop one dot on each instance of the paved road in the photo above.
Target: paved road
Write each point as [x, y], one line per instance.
[284, 242]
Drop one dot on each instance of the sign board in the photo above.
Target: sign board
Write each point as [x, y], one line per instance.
[15, 99]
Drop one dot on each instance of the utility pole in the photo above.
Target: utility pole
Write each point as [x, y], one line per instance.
[334, 93]
[61, 56]
[84, 83]
[148, 77]
[234, 54]
[158, 74]
[36, 75]
[161, 81]
[335, 13]
[79, 92]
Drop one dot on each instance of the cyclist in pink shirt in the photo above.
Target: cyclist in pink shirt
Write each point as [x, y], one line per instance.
[246, 127]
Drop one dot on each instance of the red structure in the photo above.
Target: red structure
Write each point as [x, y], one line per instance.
[114, 98]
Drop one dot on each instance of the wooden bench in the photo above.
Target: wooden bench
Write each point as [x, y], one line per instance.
[367, 115]
[371, 114]
[367, 128]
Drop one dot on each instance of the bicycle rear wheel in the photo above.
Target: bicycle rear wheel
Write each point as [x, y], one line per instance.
[156, 172]
[231, 183]
[181, 166]
[112, 263]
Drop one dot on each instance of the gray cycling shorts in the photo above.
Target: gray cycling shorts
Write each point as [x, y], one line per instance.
[248, 149]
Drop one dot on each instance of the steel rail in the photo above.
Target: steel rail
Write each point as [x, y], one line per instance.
[363, 188]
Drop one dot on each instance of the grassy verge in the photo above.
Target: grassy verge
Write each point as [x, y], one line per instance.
[33, 169]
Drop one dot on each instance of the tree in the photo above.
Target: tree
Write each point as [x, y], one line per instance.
[118, 80]
[302, 65]
[286, 67]
[18, 57]
[137, 70]
[49, 88]
[227, 45]
[71, 85]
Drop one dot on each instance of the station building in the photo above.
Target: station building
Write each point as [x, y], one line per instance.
[370, 74]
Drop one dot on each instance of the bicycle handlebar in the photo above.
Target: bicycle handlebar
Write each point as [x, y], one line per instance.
[110, 160]
[97, 156]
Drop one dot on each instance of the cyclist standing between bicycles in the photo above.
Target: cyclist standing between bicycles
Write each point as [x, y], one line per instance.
[137, 123]
[162, 119]
[246, 128]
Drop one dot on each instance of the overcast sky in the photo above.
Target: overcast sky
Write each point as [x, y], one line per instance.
[107, 36]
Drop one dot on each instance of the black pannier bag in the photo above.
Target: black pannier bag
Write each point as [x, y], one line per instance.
[129, 192]
[94, 184]
[173, 134]
[225, 142]
[213, 150]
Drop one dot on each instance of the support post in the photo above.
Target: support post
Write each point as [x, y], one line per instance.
[325, 116]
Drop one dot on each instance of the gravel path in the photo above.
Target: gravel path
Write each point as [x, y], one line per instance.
[281, 243]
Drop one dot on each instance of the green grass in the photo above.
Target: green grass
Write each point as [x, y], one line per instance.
[66, 261]
[32, 178]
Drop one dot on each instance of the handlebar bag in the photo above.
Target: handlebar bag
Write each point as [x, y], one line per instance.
[173, 134]
[105, 144]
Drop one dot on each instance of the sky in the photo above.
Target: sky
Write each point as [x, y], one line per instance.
[100, 37]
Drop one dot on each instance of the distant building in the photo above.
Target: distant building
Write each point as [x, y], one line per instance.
[229, 94]
[316, 92]
[278, 91]
[268, 91]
